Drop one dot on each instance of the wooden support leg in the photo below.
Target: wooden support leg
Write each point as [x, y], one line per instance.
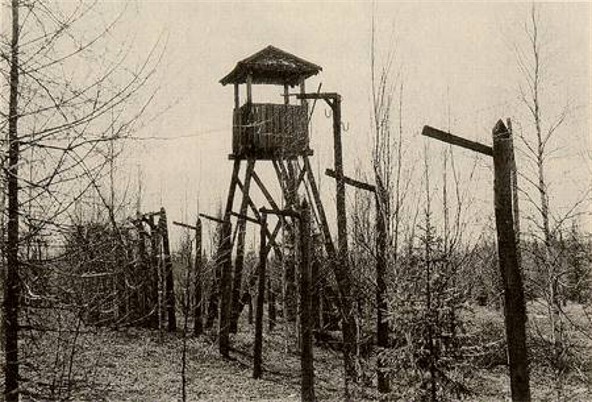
[168, 274]
[240, 248]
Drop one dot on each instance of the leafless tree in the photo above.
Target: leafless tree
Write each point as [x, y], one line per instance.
[69, 111]
[543, 125]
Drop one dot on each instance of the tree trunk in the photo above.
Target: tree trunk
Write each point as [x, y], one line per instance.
[11, 288]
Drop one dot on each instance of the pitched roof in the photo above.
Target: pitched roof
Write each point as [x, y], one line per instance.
[271, 66]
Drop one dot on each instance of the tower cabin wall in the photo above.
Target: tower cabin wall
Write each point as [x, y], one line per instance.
[267, 130]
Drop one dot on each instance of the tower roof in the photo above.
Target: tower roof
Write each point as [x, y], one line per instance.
[271, 66]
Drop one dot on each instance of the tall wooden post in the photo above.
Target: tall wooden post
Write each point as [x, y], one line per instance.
[168, 267]
[197, 282]
[258, 347]
[225, 288]
[342, 263]
[514, 306]
[271, 310]
[381, 297]
[506, 216]
[306, 322]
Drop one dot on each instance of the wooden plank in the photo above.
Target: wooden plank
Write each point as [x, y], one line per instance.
[211, 218]
[352, 182]
[184, 225]
[245, 217]
[455, 140]
[282, 212]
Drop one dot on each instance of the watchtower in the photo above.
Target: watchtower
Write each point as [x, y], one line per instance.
[264, 131]
[277, 134]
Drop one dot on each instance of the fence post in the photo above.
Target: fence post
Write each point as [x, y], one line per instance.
[306, 323]
[258, 347]
[514, 306]
[225, 288]
[168, 270]
[197, 282]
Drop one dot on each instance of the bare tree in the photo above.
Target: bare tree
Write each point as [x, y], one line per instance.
[68, 113]
[545, 122]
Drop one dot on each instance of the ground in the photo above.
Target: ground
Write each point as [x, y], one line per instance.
[144, 365]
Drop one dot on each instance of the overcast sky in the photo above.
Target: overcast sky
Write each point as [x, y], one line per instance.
[452, 56]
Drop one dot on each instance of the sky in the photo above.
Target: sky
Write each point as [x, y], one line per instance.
[456, 61]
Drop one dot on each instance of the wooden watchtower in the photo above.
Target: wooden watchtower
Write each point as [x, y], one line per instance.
[271, 133]
[266, 131]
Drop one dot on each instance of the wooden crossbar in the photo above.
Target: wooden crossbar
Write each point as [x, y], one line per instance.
[352, 182]
[456, 140]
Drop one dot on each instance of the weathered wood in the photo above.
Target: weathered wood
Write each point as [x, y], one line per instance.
[257, 214]
[225, 289]
[184, 225]
[307, 393]
[197, 281]
[455, 140]
[214, 297]
[280, 212]
[249, 89]
[382, 328]
[320, 95]
[342, 268]
[245, 217]
[329, 246]
[236, 97]
[168, 267]
[240, 247]
[514, 306]
[258, 346]
[211, 218]
[265, 192]
[231, 190]
[271, 310]
[352, 182]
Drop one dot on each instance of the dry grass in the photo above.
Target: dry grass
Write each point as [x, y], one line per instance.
[140, 365]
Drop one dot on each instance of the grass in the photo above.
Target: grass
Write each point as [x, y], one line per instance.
[141, 365]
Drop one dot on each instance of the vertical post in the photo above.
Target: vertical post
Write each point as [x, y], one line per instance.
[214, 296]
[197, 282]
[286, 94]
[225, 288]
[240, 248]
[306, 357]
[258, 347]
[381, 302]
[249, 89]
[271, 316]
[236, 96]
[514, 306]
[342, 263]
[168, 267]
